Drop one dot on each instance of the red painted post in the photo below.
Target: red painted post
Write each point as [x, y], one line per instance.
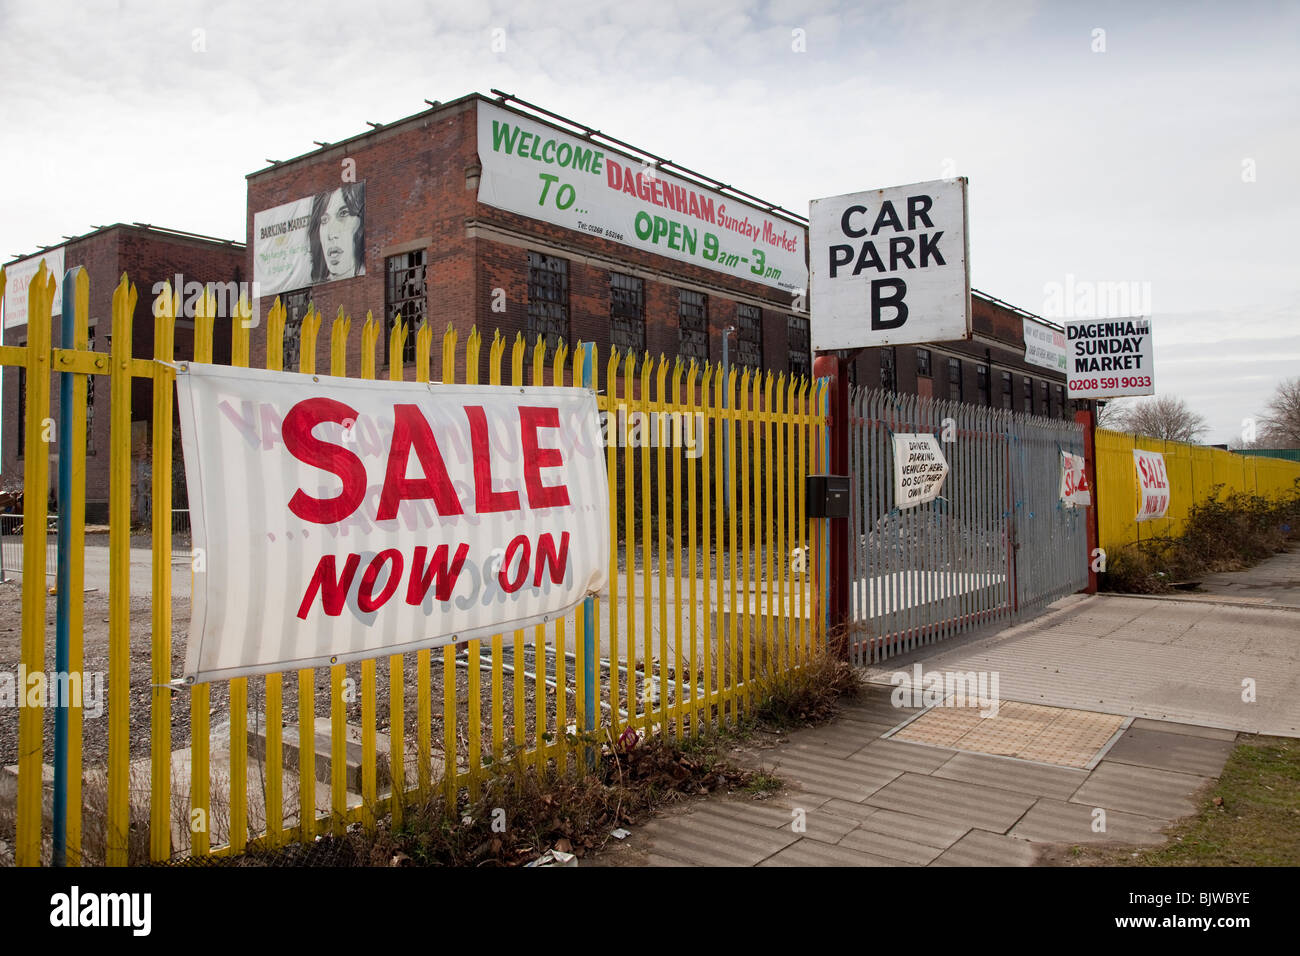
[1089, 423]
[830, 365]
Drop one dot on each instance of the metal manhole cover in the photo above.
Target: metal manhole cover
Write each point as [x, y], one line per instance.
[1053, 735]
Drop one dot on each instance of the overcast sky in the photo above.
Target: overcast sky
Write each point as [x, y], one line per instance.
[1162, 152]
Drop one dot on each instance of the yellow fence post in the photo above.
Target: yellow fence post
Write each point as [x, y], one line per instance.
[36, 482]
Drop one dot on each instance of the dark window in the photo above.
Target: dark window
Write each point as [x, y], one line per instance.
[1060, 398]
[90, 401]
[1029, 395]
[22, 406]
[954, 379]
[404, 299]
[626, 313]
[853, 373]
[548, 300]
[693, 325]
[749, 337]
[1008, 401]
[982, 371]
[800, 345]
[923, 362]
[888, 377]
[1046, 398]
[296, 305]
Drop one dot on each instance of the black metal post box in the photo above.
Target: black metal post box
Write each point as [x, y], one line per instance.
[827, 496]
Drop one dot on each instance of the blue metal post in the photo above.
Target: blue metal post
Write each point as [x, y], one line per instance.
[63, 602]
[589, 605]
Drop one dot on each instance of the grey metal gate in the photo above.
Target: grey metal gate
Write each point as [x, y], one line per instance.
[997, 544]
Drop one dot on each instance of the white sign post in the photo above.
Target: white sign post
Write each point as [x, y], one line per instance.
[890, 266]
[340, 519]
[1153, 484]
[919, 469]
[1109, 358]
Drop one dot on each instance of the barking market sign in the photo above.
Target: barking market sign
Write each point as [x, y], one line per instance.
[343, 521]
[537, 171]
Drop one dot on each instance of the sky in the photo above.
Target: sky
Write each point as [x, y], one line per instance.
[1146, 149]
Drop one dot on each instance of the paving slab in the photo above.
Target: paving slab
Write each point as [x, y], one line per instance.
[1162, 794]
[818, 824]
[923, 830]
[953, 801]
[1188, 730]
[1098, 654]
[815, 853]
[980, 848]
[889, 846]
[1059, 821]
[1180, 752]
[917, 758]
[712, 840]
[846, 779]
[1007, 773]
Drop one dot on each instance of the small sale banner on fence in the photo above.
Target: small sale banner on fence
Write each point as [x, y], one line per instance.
[919, 469]
[339, 519]
[1153, 484]
[1075, 490]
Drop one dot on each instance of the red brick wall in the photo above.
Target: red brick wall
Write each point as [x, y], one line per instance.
[147, 257]
[420, 182]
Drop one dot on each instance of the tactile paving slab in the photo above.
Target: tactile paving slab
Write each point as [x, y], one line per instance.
[1053, 735]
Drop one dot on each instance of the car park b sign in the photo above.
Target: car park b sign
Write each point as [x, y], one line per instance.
[890, 266]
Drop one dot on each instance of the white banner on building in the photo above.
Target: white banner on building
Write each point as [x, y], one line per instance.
[1075, 490]
[919, 469]
[341, 519]
[18, 277]
[1153, 484]
[311, 240]
[890, 266]
[1109, 358]
[1044, 346]
[538, 171]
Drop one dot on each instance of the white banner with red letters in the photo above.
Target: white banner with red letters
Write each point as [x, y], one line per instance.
[1075, 490]
[1153, 484]
[339, 519]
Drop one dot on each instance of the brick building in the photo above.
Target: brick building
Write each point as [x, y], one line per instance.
[988, 369]
[149, 256]
[434, 248]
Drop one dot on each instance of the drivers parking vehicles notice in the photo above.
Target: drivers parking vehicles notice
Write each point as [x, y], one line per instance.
[919, 469]
[339, 519]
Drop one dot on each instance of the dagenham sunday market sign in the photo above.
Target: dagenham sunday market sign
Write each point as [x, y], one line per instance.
[1109, 358]
[340, 519]
[890, 266]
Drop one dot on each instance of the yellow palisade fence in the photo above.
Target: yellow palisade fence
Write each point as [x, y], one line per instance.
[714, 582]
[1194, 471]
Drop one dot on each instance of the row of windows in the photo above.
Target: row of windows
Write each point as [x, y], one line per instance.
[1050, 397]
[406, 298]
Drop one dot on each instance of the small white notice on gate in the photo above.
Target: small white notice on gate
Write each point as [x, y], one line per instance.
[919, 469]
[1075, 490]
[340, 519]
[1153, 484]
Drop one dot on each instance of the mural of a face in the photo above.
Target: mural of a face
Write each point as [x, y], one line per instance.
[338, 228]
